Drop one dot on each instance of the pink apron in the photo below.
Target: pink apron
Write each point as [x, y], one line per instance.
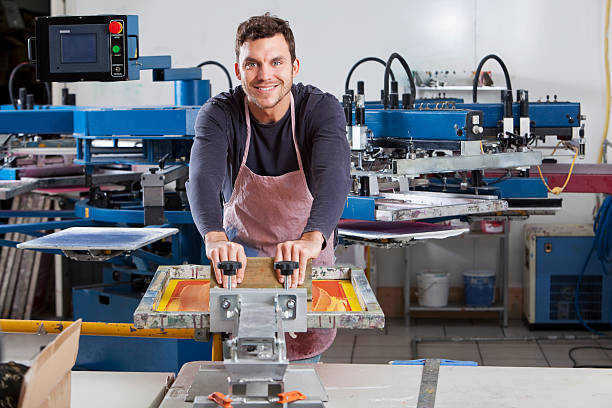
[264, 211]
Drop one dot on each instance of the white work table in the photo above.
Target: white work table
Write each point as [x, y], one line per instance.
[104, 389]
[374, 385]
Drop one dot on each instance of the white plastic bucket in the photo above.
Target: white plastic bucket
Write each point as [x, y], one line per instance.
[432, 288]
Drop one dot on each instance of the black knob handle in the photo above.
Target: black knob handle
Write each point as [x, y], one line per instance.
[286, 267]
[162, 162]
[229, 268]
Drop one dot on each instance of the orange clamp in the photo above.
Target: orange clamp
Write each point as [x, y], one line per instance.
[221, 399]
[290, 396]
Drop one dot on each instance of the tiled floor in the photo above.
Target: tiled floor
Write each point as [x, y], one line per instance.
[394, 343]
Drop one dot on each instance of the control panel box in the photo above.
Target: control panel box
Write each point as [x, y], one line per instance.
[84, 48]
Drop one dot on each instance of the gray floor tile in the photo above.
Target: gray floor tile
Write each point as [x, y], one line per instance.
[508, 350]
[370, 332]
[395, 334]
[454, 351]
[583, 332]
[345, 339]
[427, 328]
[383, 341]
[371, 360]
[456, 322]
[398, 327]
[340, 332]
[517, 328]
[479, 329]
[557, 353]
[606, 343]
[389, 353]
[339, 351]
[335, 360]
[536, 362]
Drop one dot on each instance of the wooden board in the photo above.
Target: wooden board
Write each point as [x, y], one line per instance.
[47, 382]
[260, 273]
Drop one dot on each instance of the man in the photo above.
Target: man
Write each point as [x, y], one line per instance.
[278, 154]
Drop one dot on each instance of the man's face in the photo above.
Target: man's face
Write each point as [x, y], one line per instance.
[266, 71]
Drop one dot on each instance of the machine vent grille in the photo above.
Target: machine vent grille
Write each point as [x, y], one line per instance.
[562, 291]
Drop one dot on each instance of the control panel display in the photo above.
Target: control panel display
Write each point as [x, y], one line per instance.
[78, 48]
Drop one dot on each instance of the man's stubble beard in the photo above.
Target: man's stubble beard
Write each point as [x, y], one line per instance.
[284, 91]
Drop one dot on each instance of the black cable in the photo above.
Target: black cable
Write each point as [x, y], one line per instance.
[602, 247]
[227, 74]
[585, 348]
[402, 61]
[358, 63]
[505, 177]
[48, 92]
[12, 78]
[477, 75]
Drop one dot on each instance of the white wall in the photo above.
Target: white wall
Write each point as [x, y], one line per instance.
[550, 47]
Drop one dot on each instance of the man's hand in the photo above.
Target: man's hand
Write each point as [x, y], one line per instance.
[301, 250]
[218, 249]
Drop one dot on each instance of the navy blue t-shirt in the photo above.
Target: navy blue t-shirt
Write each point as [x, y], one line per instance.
[218, 148]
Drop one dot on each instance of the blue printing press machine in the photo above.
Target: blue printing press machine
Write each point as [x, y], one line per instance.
[151, 125]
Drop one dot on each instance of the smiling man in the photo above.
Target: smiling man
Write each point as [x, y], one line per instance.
[277, 154]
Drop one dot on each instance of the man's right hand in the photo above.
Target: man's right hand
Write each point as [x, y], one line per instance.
[218, 249]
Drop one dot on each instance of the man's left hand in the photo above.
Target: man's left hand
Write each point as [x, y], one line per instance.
[301, 250]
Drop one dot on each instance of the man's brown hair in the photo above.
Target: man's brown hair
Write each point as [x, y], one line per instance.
[265, 26]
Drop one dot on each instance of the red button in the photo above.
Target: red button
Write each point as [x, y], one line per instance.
[115, 27]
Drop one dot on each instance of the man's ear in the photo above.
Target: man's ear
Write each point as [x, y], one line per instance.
[296, 66]
[237, 69]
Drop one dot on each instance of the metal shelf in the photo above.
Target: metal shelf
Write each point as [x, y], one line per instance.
[482, 235]
[502, 273]
[455, 307]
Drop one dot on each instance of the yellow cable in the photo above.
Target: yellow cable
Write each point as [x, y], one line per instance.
[481, 149]
[555, 149]
[607, 61]
[559, 190]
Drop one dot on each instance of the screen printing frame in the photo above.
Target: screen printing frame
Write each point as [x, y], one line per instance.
[146, 316]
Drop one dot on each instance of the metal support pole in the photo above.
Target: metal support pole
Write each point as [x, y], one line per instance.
[506, 270]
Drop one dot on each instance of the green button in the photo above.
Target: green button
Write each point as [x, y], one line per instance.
[116, 49]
